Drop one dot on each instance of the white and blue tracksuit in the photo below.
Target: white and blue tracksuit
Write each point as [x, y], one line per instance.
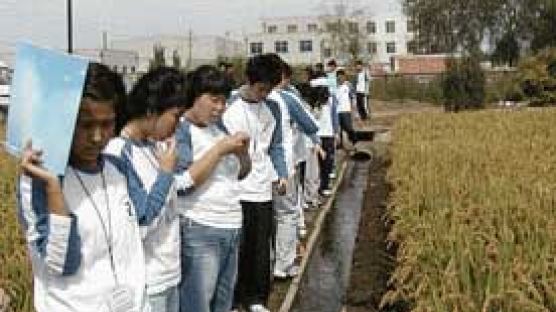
[161, 239]
[73, 267]
[262, 121]
[295, 119]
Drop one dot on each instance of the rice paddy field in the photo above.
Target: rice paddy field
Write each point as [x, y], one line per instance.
[473, 207]
[15, 272]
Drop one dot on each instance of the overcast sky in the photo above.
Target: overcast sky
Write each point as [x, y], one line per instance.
[44, 21]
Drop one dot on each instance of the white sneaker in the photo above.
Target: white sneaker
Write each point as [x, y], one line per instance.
[332, 175]
[279, 274]
[302, 232]
[293, 271]
[258, 308]
[326, 192]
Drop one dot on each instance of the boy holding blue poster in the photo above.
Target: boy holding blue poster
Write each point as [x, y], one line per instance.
[82, 229]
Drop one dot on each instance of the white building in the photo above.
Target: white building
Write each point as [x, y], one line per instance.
[306, 40]
[192, 50]
[121, 61]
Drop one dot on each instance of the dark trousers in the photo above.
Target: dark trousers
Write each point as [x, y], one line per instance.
[346, 125]
[327, 164]
[361, 107]
[301, 167]
[253, 282]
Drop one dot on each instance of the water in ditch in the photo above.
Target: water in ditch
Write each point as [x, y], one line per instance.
[323, 288]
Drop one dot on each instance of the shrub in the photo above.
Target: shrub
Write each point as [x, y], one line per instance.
[463, 86]
[402, 88]
[537, 75]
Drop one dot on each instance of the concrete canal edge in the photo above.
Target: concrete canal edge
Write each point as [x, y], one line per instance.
[312, 240]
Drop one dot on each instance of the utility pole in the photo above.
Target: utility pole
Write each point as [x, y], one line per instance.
[70, 27]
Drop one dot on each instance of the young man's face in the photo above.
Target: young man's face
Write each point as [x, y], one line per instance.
[94, 128]
[359, 67]
[165, 123]
[260, 91]
[341, 78]
[209, 108]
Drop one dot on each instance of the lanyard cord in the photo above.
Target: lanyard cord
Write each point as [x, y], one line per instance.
[253, 134]
[107, 232]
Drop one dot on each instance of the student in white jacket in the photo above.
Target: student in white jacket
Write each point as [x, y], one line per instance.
[295, 122]
[148, 118]
[250, 112]
[83, 230]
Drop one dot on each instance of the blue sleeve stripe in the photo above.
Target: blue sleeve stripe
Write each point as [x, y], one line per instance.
[147, 203]
[184, 147]
[40, 210]
[299, 115]
[334, 112]
[276, 149]
[39, 218]
[73, 255]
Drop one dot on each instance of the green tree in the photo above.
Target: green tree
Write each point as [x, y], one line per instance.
[462, 25]
[343, 32]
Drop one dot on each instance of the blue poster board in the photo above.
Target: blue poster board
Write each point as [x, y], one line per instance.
[45, 97]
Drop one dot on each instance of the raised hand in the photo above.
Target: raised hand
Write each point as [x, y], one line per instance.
[167, 155]
[31, 166]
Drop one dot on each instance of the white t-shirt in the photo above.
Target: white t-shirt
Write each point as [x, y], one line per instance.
[344, 98]
[266, 150]
[362, 84]
[214, 203]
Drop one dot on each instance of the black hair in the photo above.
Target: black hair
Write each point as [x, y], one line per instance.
[287, 70]
[155, 92]
[206, 79]
[340, 72]
[264, 68]
[358, 62]
[103, 85]
[332, 62]
[319, 71]
[320, 95]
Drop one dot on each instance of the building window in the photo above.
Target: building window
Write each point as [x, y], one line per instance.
[312, 27]
[353, 27]
[305, 46]
[292, 28]
[412, 47]
[256, 47]
[390, 47]
[132, 69]
[115, 68]
[371, 27]
[390, 27]
[372, 48]
[272, 29]
[411, 26]
[124, 69]
[332, 27]
[281, 46]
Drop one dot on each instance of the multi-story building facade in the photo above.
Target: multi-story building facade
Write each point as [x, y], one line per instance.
[192, 50]
[306, 40]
